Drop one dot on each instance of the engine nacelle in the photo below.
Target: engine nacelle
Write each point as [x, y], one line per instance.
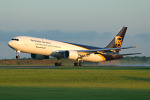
[39, 57]
[71, 55]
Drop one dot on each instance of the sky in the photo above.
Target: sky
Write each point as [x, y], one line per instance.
[91, 22]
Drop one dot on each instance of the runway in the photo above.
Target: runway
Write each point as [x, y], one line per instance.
[55, 67]
[29, 67]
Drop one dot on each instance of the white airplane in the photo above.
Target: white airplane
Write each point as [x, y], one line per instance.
[43, 48]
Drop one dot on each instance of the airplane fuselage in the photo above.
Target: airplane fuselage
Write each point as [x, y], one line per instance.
[47, 47]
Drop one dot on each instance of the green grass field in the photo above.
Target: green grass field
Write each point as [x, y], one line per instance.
[84, 83]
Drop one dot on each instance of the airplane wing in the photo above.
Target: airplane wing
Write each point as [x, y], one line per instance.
[106, 49]
[82, 53]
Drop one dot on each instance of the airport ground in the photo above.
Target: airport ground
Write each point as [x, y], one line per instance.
[75, 83]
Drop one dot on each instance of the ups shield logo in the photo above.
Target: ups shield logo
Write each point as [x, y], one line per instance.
[118, 41]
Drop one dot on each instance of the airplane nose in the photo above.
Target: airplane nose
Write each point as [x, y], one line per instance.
[10, 44]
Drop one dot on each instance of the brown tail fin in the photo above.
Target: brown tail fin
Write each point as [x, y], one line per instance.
[118, 39]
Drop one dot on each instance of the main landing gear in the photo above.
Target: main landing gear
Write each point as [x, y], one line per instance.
[78, 63]
[58, 63]
[17, 54]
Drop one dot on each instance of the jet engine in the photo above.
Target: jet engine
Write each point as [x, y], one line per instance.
[39, 57]
[71, 55]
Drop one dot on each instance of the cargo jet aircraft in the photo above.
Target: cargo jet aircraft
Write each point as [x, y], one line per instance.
[43, 48]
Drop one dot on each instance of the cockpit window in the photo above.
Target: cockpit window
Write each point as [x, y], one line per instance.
[15, 39]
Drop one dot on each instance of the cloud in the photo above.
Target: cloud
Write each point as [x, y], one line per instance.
[5, 51]
[70, 36]
[144, 37]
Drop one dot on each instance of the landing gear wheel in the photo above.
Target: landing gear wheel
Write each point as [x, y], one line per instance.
[61, 64]
[17, 57]
[58, 64]
[78, 64]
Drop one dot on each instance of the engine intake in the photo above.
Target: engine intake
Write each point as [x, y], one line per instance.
[71, 55]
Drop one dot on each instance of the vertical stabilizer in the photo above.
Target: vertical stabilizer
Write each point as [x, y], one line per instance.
[118, 39]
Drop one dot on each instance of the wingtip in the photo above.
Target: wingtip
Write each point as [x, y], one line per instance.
[125, 26]
[135, 46]
[140, 53]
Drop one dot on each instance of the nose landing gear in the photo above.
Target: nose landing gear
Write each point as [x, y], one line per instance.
[17, 54]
